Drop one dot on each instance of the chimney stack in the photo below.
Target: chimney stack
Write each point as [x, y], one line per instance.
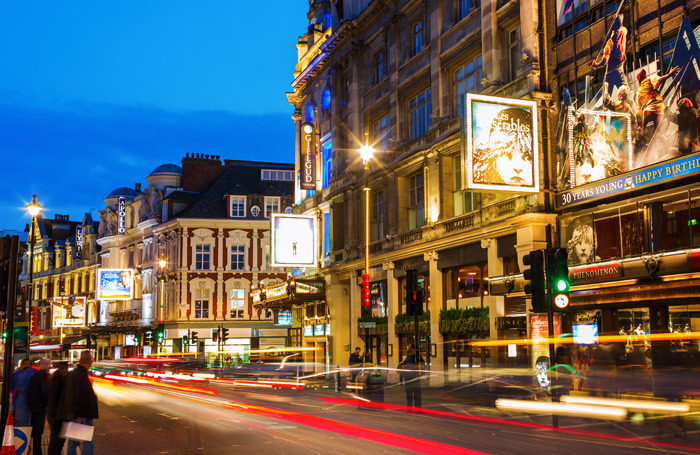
[198, 170]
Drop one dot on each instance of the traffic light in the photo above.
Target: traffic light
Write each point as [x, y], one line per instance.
[136, 338]
[33, 321]
[160, 333]
[194, 338]
[558, 274]
[418, 298]
[149, 335]
[411, 282]
[215, 334]
[4, 336]
[185, 340]
[223, 334]
[365, 289]
[535, 276]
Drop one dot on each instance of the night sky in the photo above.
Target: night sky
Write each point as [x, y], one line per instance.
[95, 95]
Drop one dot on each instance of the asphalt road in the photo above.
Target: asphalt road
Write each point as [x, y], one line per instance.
[140, 420]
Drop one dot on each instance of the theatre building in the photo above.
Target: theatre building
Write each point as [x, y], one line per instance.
[395, 76]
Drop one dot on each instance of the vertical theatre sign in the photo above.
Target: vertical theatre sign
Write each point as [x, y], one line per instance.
[122, 215]
[308, 157]
[79, 239]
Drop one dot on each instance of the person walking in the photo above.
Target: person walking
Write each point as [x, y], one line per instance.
[58, 379]
[79, 402]
[18, 388]
[355, 362]
[412, 365]
[37, 400]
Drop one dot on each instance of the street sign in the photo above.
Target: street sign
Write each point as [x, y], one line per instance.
[368, 325]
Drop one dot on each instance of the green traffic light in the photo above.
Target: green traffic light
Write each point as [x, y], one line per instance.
[562, 285]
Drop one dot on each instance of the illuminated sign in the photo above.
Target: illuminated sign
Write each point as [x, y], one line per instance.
[652, 175]
[319, 329]
[284, 317]
[600, 146]
[79, 238]
[122, 215]
[115, 284]
[308, 330]
[308, 157]
[585, 333]
[68, 312]
[501, 145]
[597, 273]
[294, 242]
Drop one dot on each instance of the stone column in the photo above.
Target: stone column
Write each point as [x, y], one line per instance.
[220, 265]
[255, 246]
[434, 305]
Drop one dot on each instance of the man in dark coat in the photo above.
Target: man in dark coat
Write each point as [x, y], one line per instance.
[410, 375]
[37, 399]
[79, 402]
[355, 362]
[58, 380]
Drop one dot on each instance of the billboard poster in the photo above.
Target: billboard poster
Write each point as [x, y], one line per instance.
[501, 145]
[122, 215]
[79, 239]
[294, 240]
[307, 160]
[68, 311]
[662, 108]
[115, 284]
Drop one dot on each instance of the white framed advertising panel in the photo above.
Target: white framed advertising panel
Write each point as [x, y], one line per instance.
[115, 284]
[68, 312]
[294, 240]
[501, 152]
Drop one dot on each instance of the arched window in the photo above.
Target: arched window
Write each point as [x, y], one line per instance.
[310, 112]
[326, 99]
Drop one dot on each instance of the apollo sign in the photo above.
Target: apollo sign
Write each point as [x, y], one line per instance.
[308, 157]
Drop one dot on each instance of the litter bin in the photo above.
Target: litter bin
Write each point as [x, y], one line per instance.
[372, 383]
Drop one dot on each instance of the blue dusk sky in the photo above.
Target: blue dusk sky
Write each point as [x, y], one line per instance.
[94, 95]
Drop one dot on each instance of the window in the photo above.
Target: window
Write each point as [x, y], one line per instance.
[420, 114]
[416, 37]
[416, 204]
[344, 91]
[277, 175]
[566, 32]
[580, 7]
[381, 132]
[201, 303]
[376, 216]
[201, 259]
[327, 159]
[255, 211]
[463, 200]
[326, 99]
[237, 303]
[238, 206]
[581, 24]
[467, 80]
[378, 67]
[466, 7]
[310, 111]
[326, 233]
[272, 205]
[597, 14]
[514, 52]
[237, 257]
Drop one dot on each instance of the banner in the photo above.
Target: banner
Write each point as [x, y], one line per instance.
[501, 145]
[122, 215]
[68, 312]
[639, 129]
[114, 284]
[307, 161]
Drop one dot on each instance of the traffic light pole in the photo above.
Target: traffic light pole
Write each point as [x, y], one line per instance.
[554, 396]
[10, 247]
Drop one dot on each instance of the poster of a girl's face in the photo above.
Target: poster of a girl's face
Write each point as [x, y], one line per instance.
[583, 242]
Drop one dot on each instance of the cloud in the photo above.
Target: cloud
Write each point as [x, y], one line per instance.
[76, 155]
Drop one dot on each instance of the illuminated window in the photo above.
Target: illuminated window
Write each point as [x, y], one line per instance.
[378, 67]
[377, 216]
[237, 303]
[381, 132]
[466, 7]
[416, 37]
[238, 257]
[326, 99]
[463, 200]
[467, 80]
[514, 52]
[201, 259]
[272, 205]
[326, 233]
[310, 112]
[416, 203]
[238, 206]
[327, 158]
[201, 303]
[420, 110]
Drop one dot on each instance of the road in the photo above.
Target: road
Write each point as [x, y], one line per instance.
[140, 419]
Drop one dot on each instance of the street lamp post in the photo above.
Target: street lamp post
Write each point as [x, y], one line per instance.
[34, 209]
[366, 152]
[161, 307]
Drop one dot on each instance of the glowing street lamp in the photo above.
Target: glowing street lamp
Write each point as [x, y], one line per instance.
[34, 209]
[366, 152]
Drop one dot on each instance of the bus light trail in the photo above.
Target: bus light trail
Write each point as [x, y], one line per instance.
[600, 339]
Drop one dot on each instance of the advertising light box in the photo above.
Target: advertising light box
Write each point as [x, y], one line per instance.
[501, 145]
[68, 312]
[115, 284]
[294, 240]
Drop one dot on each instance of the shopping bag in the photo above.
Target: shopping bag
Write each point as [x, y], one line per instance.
[76, 431]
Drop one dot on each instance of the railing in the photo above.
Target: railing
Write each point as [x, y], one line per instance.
[460, 223]
[411, 237]
[505, 207]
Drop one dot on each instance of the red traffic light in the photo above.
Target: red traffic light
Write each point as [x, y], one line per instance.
[365, 289]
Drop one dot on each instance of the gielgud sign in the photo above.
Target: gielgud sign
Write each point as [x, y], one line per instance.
[308, 157]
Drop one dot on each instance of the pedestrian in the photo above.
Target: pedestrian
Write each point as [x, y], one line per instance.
[411, 368]
[18, 388]
[37, 400]
[58, 380]
[355, 362]
[79, 402]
